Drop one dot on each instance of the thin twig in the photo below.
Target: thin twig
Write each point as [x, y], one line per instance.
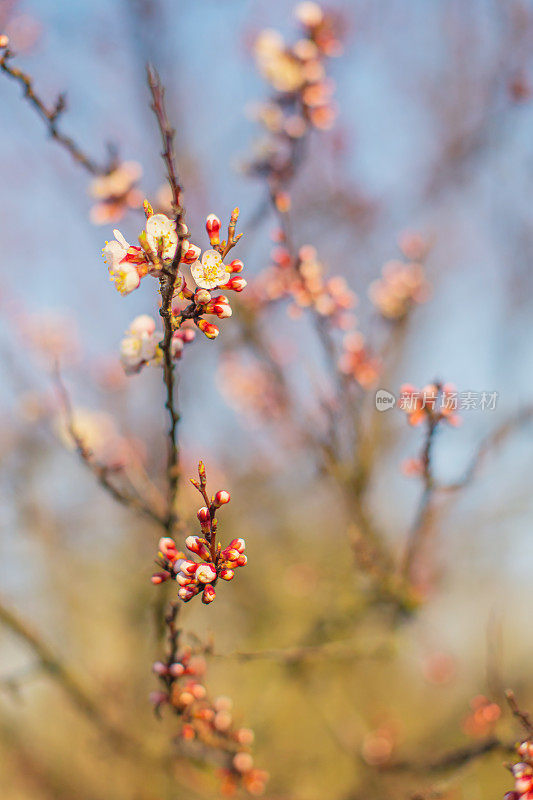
[522, 716]
[100, 471]
[167, 286]
[51, 117]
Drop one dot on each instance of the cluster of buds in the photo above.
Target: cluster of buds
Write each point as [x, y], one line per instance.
[210, 273]
[204, 722]
[200, 577]
[483, 716]
[522, 773]
[303, 280]
[402, 285]
[141, 344]
[297, 73]
[115, 193]
[357, 361]
[435, 403]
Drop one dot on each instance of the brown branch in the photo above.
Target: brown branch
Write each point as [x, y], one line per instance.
[66, 678]
[167, 286]
[453, 759]
[522, 716]
[51, 117]
[100, 471]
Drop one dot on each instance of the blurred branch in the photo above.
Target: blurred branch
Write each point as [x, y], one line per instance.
[493, 440]
[71, 684]
[51, 117]
[168, 283]
[452, 759]
[100, 471]
[336, 650]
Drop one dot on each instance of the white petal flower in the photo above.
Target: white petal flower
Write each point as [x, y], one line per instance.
[142, 325]
[126, 278]
[210, 272]
[161, 236]
[140, 345]
[114, 252]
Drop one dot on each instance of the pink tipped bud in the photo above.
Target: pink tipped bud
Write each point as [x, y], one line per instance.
[158, 698]
[243, 762]
[208, 595]
[211, 331]
[212, 226]
[196, 689]
[188, 567]
[220, 307]
[202, 297]
[176, 670]
[186, 593]
[235, 284]
[238, 545]
[189, 253]
[159, 668]
[167, 547]
[205, 573]
[160, 577]
[229, 554]
[187, 335]
[198, 546]
[184, 580]
[221, 498]
[242, 561]
[226, 574]
[236, 266]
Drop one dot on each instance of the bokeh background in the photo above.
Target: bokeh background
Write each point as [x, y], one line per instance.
[433, 135]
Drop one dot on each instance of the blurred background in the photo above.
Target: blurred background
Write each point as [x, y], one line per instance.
[433, 135]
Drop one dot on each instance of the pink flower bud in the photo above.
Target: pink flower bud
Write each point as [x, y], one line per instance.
[205, 573]
[159, 668]
[202, 297]
[245, 736]
[196, 689]
[186, 593]
[176, 670]
[221, 498]
[212, 226]
[198, 546]
[188, 567]
[167, 547]
[208, 595]
[242, 561]
[189, 253]
[160, 577]
[238, 545]
[226, 574]
[204, 517]
[236, 266]
[230, 554]
[243, 762]
[235, 284]
[184, 580]
[211, 331]
[223, 720]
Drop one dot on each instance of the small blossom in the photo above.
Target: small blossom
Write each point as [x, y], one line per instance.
[140, 345]
[210, 272]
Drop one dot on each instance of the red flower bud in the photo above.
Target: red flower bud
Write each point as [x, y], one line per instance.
[221, 498]
[212, 226]
[160, 577]
[211, 331]
[235, 284]
[226, 574]
[242, 561]
[238, 545]
[202, 297]
[236, 266]
[208, 595]
[167, 547]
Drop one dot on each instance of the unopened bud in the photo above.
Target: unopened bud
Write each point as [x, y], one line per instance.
[159, 668]
[205, 573]
[159, 577]
[189, 252]
[202, 297]
[238, 544]
[212, 226]
[235, 284]
[242, 561]
[148, 210]
[226, 574]
[243, 762]
[198, 546]
[221, 498]
[176, 670]
[211, 331]
[236, 266]
[167, 547]
[204, 518]
[208, 595]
